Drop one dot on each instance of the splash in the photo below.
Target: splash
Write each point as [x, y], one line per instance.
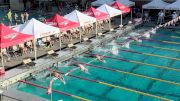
[126, 45]
[153, 31]
[146, 35]
[114, 50]
[134, 34]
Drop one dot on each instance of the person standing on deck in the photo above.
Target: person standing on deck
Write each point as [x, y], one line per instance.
[160, 17]
[9, 15]
[174, 16]
[26, 16]
[22, 17]
[15, 18]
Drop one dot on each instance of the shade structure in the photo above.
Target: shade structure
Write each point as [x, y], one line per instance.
[80, 18]
[121, 7]
[173, 6]
[101, 2]
[126, 2]
[37, 29]
[62, 23]
[96, 13]
[10, 37]
[155, 4]
[109, 10]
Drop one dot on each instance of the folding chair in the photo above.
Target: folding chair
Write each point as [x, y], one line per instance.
[52, 53]
[28, 62]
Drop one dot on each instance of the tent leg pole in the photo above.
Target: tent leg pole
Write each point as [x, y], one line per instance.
[131, 14]
[80, 36]
[35, 49]
[142, 12]
[121, 19]
[2, 59]
[96, 29]
[109, 24]
[60, 42]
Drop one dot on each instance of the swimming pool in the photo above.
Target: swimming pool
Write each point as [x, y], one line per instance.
[148, 71]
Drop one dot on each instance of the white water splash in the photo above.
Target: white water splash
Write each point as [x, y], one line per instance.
[114, 50]
[146, 35]
[126, 45]
[153, 31]
[134, 34]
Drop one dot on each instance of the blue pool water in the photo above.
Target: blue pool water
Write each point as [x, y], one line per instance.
[127, 86]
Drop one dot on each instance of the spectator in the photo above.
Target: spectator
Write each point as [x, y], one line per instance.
[174, 15]
[160, 17]
[15, 18]
[9, 15]
[22, 17]
[26, 16]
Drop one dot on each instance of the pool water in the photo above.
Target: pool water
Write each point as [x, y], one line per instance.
[119, 82]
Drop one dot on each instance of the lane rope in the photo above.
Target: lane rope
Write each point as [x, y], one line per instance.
[150, 54]
[169, 42]
[156, 47]
[62, 93]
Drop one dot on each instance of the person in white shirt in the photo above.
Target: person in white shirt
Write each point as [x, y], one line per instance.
[174, 15]
[160, 17]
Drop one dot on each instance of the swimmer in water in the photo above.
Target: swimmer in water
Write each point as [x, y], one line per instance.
[79, 66]
[98, 57]
[49, 90]
[58, 76]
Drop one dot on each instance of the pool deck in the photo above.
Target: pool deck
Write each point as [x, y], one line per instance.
[12, 76]
[15, 95]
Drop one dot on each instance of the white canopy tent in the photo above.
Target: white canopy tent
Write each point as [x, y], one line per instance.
[111, 11]
[79, 17]
[155, 4]
[126, 2]
[37, 29]
[173, 6]
[101, 2]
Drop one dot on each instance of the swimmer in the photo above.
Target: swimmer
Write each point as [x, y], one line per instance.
[82, 68]
[49, 90]
[58, 76]
[126, 45]
[135, 39]
[100, 58]
[79, 66]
